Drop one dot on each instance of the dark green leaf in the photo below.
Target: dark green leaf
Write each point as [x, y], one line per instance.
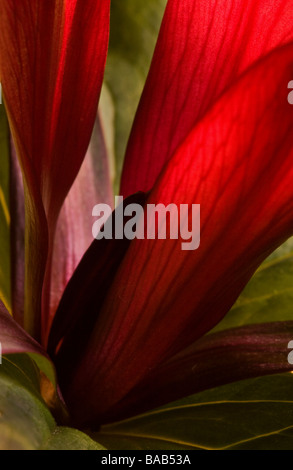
[268, 296]
[252, 414]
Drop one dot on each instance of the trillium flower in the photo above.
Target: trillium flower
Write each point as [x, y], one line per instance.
[127, 322]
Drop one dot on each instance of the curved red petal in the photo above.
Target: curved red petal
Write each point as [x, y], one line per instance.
[238, 165]
[203, 48]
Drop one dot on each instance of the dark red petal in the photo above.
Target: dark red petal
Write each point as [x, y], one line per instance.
[203, 48]
[82, 300]
[214, 360]
[52, 58]
[238, 165]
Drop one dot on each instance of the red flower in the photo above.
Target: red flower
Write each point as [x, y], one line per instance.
[214, 127]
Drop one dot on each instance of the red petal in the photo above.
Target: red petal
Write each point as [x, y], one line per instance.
[203, 48]
[52, 61]
[52, 58]
[217, 359]
[238, 165]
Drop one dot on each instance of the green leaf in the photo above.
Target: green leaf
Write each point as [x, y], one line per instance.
[23, 370]
[268, 296]
[45, 366]
[64, 438]
[252, 414]
[134, 30]
[4, 211]
[25, 421]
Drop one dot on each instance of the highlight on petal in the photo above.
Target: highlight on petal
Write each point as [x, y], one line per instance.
[212, 361]
[203, 48]
[237, 164]
[52, 59]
